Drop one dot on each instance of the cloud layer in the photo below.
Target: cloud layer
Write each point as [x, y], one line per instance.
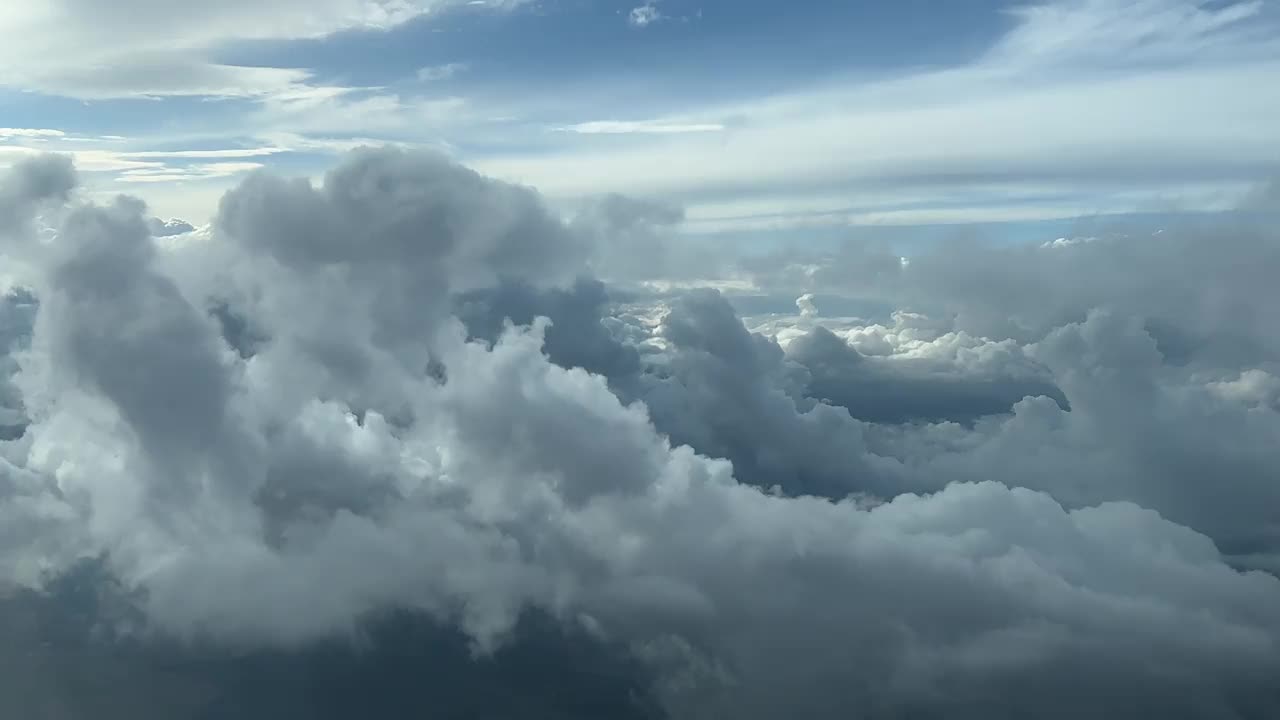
[83, 49]
[400, 391]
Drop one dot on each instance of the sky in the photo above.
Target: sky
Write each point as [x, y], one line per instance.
[669, 361]
[750, 115]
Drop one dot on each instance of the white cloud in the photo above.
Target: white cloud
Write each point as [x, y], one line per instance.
[86, 160]
[294, 142]
[976, 128]
[157, 76]
[1002, 122]
[433, 73]
[651, 127]
[144, 162]
[1085, 97]
[645, 15]
[91, 50]
[946, 203]
[32, 133]
[199, 171]
[348, 111]
[206, 154]
[1107, 32]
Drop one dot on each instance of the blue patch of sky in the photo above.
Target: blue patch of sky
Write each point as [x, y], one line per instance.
[564, 61]
[129, 117]
[707, 49]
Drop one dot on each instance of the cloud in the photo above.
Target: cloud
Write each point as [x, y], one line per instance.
[648, 127]
[644, 15]
[630, 237]
[228, 153]
[433, 73]
[1145, 30]
[1139, 334]
[579, 335]
[167, 228]
[1000, 136]
[1265, 198]
[325, 112]
[921, 388]
[86, 160]
[317, 403]
[875, 149]
[157, 75]
[37, 133]
[198, 171]
[403, 664]
[30, 183]
[902, 134]
[70, 48]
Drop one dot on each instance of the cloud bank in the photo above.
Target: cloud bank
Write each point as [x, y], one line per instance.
[399, 397]
[86, 50]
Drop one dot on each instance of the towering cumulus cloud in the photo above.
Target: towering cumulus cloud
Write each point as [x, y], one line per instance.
[337, 443]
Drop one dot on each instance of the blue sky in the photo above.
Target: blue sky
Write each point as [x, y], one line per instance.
[757, 117]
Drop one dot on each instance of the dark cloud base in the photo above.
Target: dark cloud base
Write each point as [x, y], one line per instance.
[67, 655]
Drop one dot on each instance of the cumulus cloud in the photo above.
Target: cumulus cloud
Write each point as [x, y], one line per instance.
[632, 237]
[1176, 280]
[1153, 352]
[28, 184]
[977, 380]
[345, 402]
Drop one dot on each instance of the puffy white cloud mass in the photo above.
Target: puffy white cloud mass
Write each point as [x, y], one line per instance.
[382, 445]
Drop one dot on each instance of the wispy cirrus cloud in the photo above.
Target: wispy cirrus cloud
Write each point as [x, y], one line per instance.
[1079, 31]
[95, 51]
[30, 133]
[640, 127]
[198, 171]
[207, 154]
[433, 73]
[1085, 96]
[1088, 97]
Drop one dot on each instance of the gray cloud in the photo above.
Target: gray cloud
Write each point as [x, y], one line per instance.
[69, 665]
[914, 389]
[28, 184]
[729, 393]
[579, 335]
[1138, 430]
[1265, 198]
[1202, 287]
[262, 495]
[632, 239]
[1044, 415]
[353, 279]
[1184, 316]
[168, 228]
